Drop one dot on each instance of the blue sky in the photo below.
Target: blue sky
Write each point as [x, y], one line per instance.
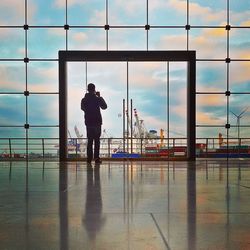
[145, 78]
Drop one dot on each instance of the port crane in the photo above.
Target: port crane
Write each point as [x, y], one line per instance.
[80, 140]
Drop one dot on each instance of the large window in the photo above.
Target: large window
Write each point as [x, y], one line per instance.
[32, 32]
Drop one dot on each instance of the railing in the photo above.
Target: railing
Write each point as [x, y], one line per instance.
[48, 148]
[20, 148]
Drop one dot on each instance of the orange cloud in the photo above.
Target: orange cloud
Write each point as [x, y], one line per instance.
[207, 44]
[196, 10]
[215, 32]
[245, 23]
[205, 88]
[171, 42]
[208, 118]
[239, 71]
[211, 100]
[240, 18]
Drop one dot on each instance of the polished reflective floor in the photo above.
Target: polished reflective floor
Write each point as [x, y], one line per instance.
[125, 205]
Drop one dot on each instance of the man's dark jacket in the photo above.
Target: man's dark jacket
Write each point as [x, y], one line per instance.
[91, 105]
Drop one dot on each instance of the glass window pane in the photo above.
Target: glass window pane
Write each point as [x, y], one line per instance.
[12, 109]
[11, 133]
[150, 106]
[43, 142]
[211, 76]
[87, 39]
[239, 43]
[110, 80]
[15, 146]
[167, 39]
[12, 76]
[178, 99]
[43, 76]
[120, 39]
[129, 12]
[12, 12]
[76, 90]
[239, 12]
[43, 109]
[12, 43]
[209, 43]
[49, 12]
[45, 132]
[213, 138]
[6, 146]
[239, 110]
[211, 109]
[240, 76]
[35, 148]
[87, 12]
[45, 43]
[167, 13]
[212, 133]
[51, 146]
[212, 12]
[239, 132]
[43, 147]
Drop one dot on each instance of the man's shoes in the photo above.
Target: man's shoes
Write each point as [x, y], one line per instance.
[89, 161]
[98, 161]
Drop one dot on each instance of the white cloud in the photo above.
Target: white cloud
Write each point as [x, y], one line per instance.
[8, 78]
[131, 7]
[87, 40]
[209, 118]
[62, 3]
[209, 46]
[152, 122]
[12, 12]
[9, 34]
[239, 72]
[156, 4]
[56, 32]
[80, 37]
[204, 13]
[209, 43]
[240, 18]
[174, 42]
[21, 51]
[98, 18]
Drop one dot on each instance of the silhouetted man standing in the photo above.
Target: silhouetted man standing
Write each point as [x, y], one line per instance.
[91, 104]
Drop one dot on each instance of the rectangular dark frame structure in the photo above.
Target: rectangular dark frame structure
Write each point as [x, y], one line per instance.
[127, 56]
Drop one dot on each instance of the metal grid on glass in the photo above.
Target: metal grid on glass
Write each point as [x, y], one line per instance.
[26, 44]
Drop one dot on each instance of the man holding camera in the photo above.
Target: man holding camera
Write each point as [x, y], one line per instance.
[91, 104]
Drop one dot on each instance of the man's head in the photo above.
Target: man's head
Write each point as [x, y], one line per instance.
[91, 87]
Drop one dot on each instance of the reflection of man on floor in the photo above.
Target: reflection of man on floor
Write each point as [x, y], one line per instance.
[93, 219]
[91, 104]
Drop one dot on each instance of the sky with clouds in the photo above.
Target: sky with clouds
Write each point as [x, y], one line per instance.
[147, 80]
